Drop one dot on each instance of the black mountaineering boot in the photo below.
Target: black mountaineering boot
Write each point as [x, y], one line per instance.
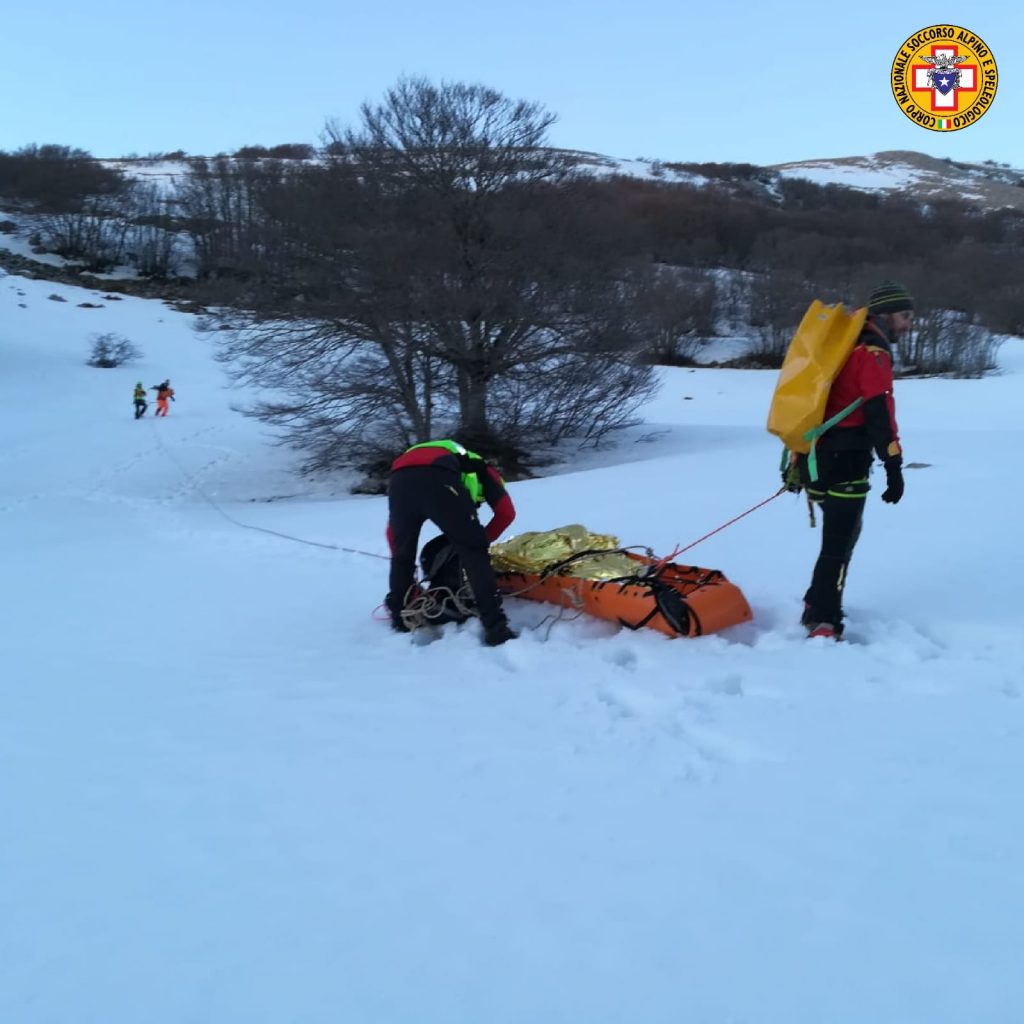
[499, 633]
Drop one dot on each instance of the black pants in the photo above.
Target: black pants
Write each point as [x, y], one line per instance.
[420, 493]
[841, 491]
[140, 408]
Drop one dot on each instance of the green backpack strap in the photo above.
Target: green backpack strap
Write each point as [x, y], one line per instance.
[814, 433]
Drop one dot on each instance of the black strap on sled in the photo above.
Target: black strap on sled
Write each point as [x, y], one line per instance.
[669, 604]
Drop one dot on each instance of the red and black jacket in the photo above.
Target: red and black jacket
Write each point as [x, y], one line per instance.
[867, 375]
[493, 487]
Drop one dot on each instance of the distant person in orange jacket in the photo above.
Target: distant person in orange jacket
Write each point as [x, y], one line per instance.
[164, 394]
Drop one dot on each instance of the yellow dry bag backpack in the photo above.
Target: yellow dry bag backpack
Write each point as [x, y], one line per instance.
[819, 349]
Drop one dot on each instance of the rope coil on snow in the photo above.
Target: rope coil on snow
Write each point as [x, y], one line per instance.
[429, 606]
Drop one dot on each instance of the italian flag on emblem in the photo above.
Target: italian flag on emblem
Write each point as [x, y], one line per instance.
[944, 122]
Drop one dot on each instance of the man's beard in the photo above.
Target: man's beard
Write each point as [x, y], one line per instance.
[894, 332]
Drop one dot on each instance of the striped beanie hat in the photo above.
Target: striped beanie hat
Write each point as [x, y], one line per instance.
[889, 297]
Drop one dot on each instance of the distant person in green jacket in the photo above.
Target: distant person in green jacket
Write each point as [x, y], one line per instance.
[141, 405]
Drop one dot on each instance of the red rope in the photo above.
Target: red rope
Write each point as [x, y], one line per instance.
[736, 519]
[662, 562]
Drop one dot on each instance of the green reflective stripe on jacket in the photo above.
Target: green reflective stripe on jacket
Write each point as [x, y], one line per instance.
[471, 481]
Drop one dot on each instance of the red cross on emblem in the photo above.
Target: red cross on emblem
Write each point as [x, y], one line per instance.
[941, 81]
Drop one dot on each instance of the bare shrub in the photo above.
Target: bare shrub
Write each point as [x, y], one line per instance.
[1003, 309]
[948, 342]
[94, 234]
[675, 313]
[110, 350]
[292, 151]
[55, 179]
[778, 301]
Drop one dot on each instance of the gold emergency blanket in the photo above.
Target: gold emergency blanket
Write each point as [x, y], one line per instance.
[533, 552]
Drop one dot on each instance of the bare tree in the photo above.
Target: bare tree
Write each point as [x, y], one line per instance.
[94, 233]
[153, 237]
[334, 393]
[675, 311]
[439, 267]
[464, 154]
[464, 143]
[778, 301]
[221, 206]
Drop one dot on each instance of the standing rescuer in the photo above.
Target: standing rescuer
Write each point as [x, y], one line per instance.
[444, 482]
[164, 395]
[845, 453]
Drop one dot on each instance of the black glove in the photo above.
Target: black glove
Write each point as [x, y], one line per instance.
[894, 481]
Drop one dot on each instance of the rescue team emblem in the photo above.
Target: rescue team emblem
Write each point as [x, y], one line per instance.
[944, 78]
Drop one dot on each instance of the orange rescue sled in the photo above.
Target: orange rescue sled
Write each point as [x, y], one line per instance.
[634, 590]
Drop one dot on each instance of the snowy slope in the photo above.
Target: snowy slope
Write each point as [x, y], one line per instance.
[901, 172]
[230, 795]
[916, 175]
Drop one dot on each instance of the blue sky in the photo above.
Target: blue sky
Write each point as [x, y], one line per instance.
[667, 79]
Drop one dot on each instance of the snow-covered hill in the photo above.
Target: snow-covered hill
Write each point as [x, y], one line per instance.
[987, 184]
[231, 795]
